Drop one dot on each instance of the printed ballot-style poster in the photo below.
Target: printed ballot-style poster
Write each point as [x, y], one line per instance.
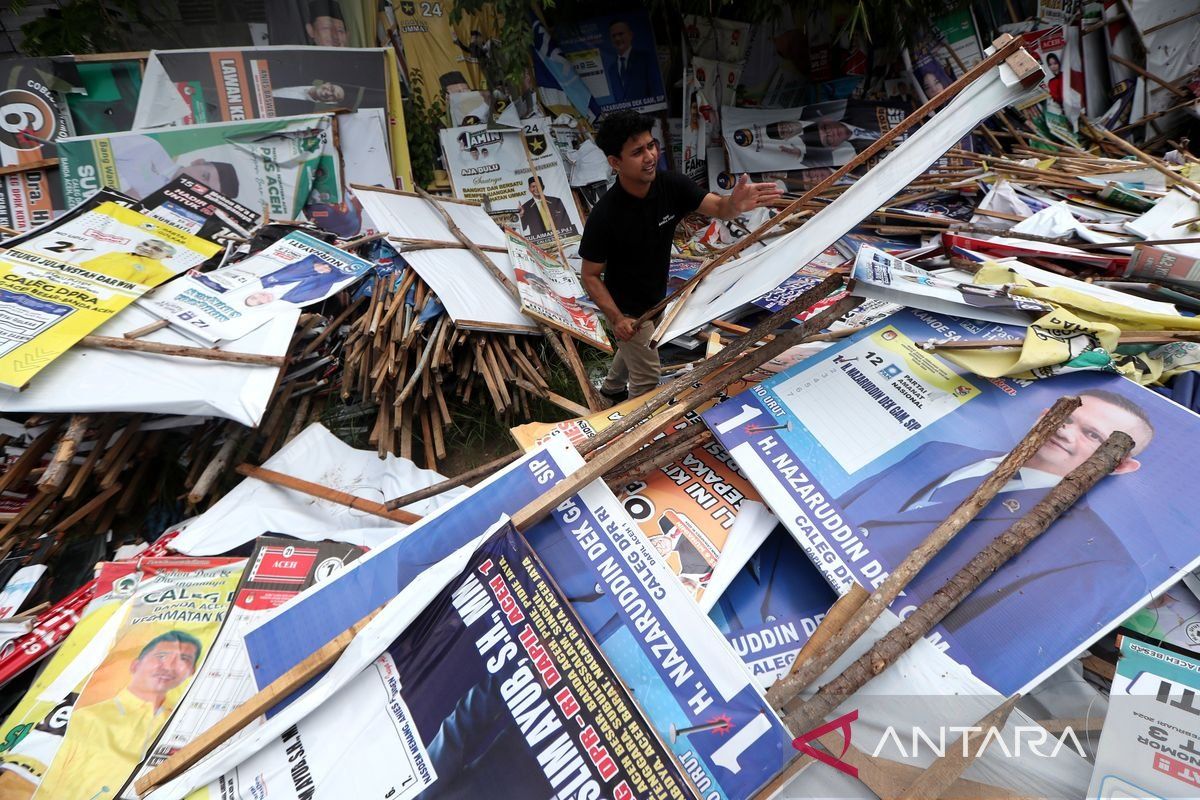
[615, 56]
[494, 690]
[278, 164]
[551, 291]
[1151, 729]
[188, 204]
[58, 286]
[859, 497]
[817, 136]
[228, 303]
[491, 166]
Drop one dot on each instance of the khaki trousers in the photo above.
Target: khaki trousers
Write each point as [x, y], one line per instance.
[635, 365]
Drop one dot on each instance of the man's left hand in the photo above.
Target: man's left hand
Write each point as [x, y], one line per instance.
[747, 195]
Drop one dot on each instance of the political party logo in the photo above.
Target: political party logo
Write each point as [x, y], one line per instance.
[408, 8]
[842, 723]
[26, 120]
[537, 143]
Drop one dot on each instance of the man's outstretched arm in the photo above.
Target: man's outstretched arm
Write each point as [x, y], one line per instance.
[745, 196]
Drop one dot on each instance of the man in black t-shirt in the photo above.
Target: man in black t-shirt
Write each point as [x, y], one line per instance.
[626, 247]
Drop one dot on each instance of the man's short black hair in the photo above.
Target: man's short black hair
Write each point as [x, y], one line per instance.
[539, 180]
[325, 8]
[228, 177]
[173, 636]
[618, 128]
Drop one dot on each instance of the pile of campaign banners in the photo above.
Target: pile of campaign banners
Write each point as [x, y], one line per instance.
[189, 87]
[62, 283]
[550, 291]
[278, 570]
[492, 690]
[616, 58]
[230, 302]
[277, 164]
[490, 165]
[859, 497]
[822, 135]
[1148, 747]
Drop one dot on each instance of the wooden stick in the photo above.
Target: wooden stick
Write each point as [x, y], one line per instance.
[668, 450]
[158, 348]
[252, 709]
[1145, 158]
[788, 688]
[947, 769]
[450, 483]
[999, 552]
[326, 493]
[138, 333]
[32, 456]
[409, 244]
[217, 466]
[840, 613]
[1150, 76]
[60, 464]
[1005, 46]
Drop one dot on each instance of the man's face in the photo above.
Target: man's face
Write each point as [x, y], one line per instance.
[639, 158]
[328, 93]
[789, 128]
[621, 36]
[535, 189]
[832, 133]
[151, 249]
[322, 268]
[1083, 432]
[162, 669]
[328, 32]
[259, 299]
[205, 172]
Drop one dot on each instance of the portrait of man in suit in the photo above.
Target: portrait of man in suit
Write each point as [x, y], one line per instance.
[532, 214]
[1079, 557]
[631, 73]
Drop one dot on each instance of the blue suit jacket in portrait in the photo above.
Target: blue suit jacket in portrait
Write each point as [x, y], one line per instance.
[638, 80]
[1015, 624]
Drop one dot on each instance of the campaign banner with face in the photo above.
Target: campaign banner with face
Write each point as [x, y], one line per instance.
[491, 165]
[32, 733]
[60, 285]
[695, 692]
[278, 569]
[860, 497]
[772, 607]
[190, 87]
[493, 690]
[230, 302]
[172, 619]
[615, 55]
[279, 164]
[818, 136]
[550, 291]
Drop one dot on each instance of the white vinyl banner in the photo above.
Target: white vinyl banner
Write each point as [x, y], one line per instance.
[741, 280]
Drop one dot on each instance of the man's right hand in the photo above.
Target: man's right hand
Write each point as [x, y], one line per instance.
[626, 328]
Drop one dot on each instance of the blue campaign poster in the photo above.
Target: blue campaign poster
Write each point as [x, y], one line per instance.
[694, 691]
[332, 607]
[617, 60]
[863, 449]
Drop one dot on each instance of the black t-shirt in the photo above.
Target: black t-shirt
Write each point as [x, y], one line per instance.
[632, 237]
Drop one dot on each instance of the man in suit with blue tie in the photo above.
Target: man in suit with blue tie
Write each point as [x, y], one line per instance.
[631, 73]
[1079, 561]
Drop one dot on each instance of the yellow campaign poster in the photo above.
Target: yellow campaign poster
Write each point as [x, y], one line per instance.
[59, 286]
[451, 57]
[31, 735]
[174, 616]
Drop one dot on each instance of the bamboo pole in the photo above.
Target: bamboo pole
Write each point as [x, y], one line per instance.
[326, 493]
[158, 348]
